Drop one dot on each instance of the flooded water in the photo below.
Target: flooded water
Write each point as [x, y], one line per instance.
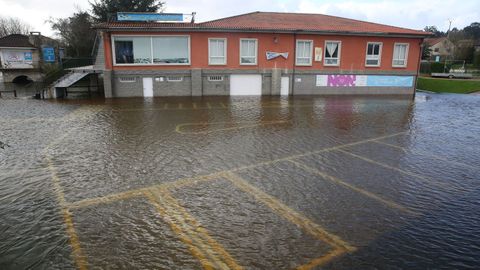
[241, 183]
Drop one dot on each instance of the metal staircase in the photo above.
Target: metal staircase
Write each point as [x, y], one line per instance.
[69, 79]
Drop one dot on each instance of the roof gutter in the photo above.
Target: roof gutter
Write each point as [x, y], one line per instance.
[250, 30]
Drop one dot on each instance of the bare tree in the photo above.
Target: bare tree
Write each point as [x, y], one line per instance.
[11, 25]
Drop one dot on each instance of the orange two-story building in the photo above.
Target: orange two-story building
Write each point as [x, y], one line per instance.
[259, 53]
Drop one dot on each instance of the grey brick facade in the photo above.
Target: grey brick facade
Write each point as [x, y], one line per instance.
[207, 82]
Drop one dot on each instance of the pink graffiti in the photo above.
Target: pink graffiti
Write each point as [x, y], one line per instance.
[341, 80]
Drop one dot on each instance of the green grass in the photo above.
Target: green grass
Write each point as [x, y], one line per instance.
[448, 85]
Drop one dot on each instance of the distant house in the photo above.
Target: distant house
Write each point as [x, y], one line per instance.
[441, 48]
[23, 58]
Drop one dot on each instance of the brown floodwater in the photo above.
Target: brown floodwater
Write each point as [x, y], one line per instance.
[241, 183]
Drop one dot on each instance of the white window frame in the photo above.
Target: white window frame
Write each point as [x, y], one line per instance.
[406, 54]
[311, 52]
[112, 40]
[256, 52]
[339, 53]
[379, 54]
[224, 52]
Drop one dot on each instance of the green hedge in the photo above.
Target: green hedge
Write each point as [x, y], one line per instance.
[437, 67]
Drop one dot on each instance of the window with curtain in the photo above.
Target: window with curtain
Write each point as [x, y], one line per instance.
[332, 53]
[248, 51]
[374, 51]
[304, 52]
[148, 50]
[400, 53]
[217, 51]
[132, 50]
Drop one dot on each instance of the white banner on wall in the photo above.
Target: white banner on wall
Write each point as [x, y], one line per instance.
[17, 59]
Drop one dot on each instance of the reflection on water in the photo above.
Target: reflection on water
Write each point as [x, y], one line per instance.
[255, 183]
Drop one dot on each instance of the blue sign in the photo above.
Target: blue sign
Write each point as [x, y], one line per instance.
[27, 56]
[134, 16]
[48, 54]
[389, 81]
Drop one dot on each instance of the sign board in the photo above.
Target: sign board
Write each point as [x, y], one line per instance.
[12, 59]
[318, 54]
[136, 16]
[343, 80]
[48, 54]
[273, 55]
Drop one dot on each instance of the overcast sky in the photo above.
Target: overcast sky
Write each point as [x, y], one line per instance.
[405, 13]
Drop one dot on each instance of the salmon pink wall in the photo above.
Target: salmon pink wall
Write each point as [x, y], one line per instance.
[353, 51]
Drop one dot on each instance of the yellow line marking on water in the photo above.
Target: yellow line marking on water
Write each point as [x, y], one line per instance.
[423, 153]
[196, 252]
[179, 127]
[208, 105]
[180, 183]
[354, 188]
[180, 106]
[191, 227]
[208, 177]
[194, 105]
[439, 184]
[223, 105]
[77, 253]
[296, 218]
[107, 199]
[322, 260]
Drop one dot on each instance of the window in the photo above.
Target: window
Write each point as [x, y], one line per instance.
[332, 53]
[374, 54]
[304, 53]
[215, 78]
[133, 50]
[437, 50]
[170, 50]
[400, 54]
[248, 51]
[151, 50]
[217, 51]
[174, 78]
[127, 79]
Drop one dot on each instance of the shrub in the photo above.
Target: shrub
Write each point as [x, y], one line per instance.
[476, 59]
[437, 67]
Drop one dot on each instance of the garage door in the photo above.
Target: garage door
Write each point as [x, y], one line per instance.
[245, 85]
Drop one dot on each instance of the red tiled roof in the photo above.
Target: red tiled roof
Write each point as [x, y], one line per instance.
[275, 21]
[305, 22]
[15, 40]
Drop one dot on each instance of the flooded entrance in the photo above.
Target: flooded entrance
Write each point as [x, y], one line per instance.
[240, 183]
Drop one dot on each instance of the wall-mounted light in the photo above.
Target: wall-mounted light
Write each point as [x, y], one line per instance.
[275, 40]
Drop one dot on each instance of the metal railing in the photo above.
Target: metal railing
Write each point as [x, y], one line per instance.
[76, 62]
